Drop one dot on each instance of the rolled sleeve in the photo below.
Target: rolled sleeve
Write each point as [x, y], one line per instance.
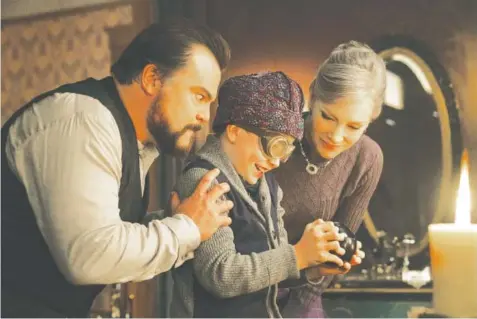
[68, 157]
[187, 235]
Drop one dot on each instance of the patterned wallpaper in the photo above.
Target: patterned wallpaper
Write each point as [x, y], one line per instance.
[40, 54]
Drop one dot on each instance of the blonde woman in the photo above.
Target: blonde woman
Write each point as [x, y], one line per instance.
[334, 170]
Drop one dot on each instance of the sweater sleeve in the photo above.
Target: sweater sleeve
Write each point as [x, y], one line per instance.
[353, 207]
[224, 272]
[307, 276]
[350, 212]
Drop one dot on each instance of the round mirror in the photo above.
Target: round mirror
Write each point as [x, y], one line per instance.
[419, 134]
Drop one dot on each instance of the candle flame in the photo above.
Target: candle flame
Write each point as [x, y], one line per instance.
[462, 212]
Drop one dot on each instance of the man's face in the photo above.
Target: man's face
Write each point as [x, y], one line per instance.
[182, 106]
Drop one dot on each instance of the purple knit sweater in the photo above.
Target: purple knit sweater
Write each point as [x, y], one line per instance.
[341, 191]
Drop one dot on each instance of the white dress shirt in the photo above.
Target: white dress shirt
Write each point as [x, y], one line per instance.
[66, 150]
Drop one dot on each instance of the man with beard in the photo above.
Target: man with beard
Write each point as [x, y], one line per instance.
[74, 165]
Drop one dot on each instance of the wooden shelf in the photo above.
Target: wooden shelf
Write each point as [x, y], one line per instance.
[379, 290]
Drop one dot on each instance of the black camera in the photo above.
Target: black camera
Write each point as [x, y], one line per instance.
[349, 244]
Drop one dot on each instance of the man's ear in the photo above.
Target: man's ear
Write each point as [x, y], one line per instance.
[150, 80]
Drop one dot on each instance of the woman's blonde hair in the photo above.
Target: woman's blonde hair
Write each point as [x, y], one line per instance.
[354, 70]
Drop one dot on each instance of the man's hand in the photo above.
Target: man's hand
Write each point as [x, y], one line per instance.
[318, 239]
[206, 206]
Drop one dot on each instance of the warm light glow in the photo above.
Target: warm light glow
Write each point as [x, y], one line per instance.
[416, 69]
[393, 96]
[462, 212]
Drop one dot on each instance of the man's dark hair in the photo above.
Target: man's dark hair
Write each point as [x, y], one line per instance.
[167, 45]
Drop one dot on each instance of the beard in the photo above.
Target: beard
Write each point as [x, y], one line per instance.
[167, 141]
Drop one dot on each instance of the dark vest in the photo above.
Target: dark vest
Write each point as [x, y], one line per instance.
[249, 238]
[32, 285]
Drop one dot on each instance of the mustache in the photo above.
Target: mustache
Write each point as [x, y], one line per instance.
[190, 127]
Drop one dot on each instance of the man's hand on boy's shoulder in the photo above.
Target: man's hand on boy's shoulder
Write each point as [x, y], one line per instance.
[204, 206]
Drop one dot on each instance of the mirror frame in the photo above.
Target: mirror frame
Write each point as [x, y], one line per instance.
[450, 127]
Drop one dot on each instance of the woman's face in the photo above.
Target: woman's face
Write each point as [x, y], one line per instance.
[337, 126]
[247, 155]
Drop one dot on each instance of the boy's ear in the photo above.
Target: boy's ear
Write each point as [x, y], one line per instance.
[231, 132]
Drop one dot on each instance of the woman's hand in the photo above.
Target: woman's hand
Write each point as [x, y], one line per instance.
[325, 270]
[316, 273]
[358, 255]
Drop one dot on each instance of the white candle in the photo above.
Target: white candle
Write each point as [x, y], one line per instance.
[454, 269]
[453, 249]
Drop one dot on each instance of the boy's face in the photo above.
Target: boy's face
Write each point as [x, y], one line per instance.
[248, 156]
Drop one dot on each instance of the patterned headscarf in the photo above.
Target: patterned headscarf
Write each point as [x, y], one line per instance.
[268, 100]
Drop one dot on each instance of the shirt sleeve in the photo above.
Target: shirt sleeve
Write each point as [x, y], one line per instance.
[71, 170]
[189, 240]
